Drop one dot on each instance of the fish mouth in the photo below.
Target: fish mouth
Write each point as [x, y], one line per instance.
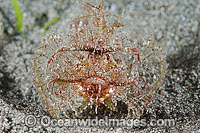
[96, 89]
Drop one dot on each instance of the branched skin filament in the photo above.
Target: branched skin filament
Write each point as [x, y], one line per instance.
[96, 64]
